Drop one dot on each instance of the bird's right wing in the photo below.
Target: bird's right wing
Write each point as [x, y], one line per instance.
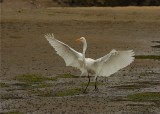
[114, 61]
[70, 56]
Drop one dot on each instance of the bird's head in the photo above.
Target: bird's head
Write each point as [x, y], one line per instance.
[81, 39]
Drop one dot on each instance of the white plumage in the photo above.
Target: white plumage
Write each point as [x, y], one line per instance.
[104, 66]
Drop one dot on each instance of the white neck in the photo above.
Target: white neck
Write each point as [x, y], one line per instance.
[84, 48]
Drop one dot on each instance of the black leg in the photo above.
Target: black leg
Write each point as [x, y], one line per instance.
[87, 84]
[96, 88]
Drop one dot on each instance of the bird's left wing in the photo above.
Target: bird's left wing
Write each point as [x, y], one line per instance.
[114, 61]
[70, 56]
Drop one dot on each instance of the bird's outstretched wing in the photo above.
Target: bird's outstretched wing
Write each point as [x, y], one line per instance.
[70, 56]
[114, 61]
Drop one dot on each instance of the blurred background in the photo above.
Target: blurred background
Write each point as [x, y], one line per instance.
[75, 3]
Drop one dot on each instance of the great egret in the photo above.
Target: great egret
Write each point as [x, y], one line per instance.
[104, 66]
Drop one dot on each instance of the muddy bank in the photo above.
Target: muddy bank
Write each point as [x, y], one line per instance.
[32, 81]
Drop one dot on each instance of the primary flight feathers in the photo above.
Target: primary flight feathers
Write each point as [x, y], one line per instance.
[70, 56]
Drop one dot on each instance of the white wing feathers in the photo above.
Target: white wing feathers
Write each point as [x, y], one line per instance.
[70, 56]
[104, 66]
[114, 61]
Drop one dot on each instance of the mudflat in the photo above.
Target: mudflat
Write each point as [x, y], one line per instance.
[34, 78]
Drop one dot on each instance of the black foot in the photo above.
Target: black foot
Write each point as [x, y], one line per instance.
[85, 92]
[96, 90]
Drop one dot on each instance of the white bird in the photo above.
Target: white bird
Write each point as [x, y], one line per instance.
[104, 66]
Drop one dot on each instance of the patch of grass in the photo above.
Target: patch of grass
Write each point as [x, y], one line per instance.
[133, 86]
[32, 81]
[12, 112]
[67, 75]
[91, 83]
[23, 85]
[32, 86]
[51, 78]
[42, 93]
[145, 96]
[33, 78]
[149, 82]
[155, 57]
[3, 85]
[10, 96]
[30, 78]
[69, 92]
[42, 85]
